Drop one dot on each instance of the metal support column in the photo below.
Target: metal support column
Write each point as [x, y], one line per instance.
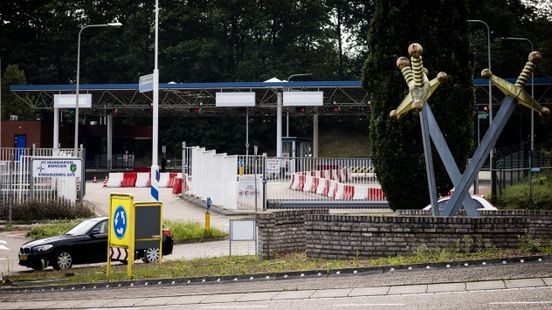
[109, 154]
[487, 144]
[429, 161]
[279, 124]
[315, 135]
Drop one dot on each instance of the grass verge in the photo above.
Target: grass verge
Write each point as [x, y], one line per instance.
[245, 265]
[181, 231]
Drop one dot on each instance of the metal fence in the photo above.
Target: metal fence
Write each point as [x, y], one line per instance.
[283, 182]
[517, 167]
[17, 184]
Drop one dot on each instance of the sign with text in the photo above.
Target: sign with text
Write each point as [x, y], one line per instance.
[303, 98]
[235, 100]
[57, 167]
[65, 101]
[272, 165]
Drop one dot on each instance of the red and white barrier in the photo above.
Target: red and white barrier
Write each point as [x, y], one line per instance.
[308, 182]
[115, 179]
[142, 179]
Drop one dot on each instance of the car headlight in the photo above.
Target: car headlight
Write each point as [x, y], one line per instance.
[42, 248]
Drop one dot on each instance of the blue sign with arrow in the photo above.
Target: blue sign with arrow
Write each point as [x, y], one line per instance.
[120, 222]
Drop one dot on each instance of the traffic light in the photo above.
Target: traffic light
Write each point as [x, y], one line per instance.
[300, 109]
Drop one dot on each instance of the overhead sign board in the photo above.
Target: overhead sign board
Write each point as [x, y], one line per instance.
[69, 101]
[57, 167]
[145, 83]
[234, 100]
[303, 98]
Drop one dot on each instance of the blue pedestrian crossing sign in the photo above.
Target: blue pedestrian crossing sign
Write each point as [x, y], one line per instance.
[120, 222]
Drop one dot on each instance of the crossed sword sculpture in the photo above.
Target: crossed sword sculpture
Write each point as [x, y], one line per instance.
[421, 89]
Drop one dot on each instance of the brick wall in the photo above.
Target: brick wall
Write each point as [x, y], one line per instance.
[282, 231]
[325, 235]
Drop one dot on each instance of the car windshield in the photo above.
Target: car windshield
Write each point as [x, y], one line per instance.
[82, 228]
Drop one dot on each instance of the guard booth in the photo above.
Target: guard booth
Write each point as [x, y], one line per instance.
[295, 147]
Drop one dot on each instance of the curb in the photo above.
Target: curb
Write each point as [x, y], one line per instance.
[276, 275]
[215, 209]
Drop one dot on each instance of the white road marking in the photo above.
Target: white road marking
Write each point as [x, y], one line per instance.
[368, 305]
[236, 307]
[520, 303]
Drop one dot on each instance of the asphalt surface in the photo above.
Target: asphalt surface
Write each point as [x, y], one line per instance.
[518, 285]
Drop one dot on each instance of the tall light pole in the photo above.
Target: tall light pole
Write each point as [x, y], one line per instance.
[289, 80]
[154, 189]
[76, 146]
[490, 94]
[532, 91]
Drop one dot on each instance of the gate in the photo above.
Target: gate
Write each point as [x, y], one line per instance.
[234, 182]
[19, 186]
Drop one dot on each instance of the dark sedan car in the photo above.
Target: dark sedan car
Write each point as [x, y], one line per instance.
[84, 243]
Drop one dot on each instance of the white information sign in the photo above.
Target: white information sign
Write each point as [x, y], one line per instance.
[65, 101]
[303, 98]
[272, 165]
[246, 187]
[242, 230]
[145, 83]
[235, 99]
[57, 167]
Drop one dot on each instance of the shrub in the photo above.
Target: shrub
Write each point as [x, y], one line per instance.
[518, 197]
[51, 210]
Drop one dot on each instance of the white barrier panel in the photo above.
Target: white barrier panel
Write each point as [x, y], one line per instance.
[308, 183]
[164, 178]
[142, 179]
[115, 179]
[361, 193]
[340, 191]
[231, 184]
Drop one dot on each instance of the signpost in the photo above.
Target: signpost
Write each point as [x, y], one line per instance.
[121, 228]
[242, 230]
[57, 167]
[133, 226]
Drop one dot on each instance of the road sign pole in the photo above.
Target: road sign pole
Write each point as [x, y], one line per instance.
[154, 176]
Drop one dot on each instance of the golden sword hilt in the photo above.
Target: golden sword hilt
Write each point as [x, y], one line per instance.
[415, 75]
[516, 90]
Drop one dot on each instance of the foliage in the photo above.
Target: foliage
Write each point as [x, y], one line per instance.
[51, 210]
[10, 104]
[192, 231]
[54, 228]
[522, 196]
[397, 147]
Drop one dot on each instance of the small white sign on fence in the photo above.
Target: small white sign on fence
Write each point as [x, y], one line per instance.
[57, 167]
[272, 165]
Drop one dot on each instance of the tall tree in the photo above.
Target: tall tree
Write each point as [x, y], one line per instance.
[440, 26]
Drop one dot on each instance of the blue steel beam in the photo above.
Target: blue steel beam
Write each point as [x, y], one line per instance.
[429, 160]
[448, 160]
[489, 140]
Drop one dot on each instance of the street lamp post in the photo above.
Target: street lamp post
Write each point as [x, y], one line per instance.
[532, 138]
[490, 95]
[287, 113]
[532, 91]
[76, 146]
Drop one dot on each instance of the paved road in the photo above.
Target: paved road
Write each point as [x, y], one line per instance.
[174, 208]
[512, 286]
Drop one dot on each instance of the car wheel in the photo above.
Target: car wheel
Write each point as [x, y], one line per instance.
[151, 255]
[63, 260]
